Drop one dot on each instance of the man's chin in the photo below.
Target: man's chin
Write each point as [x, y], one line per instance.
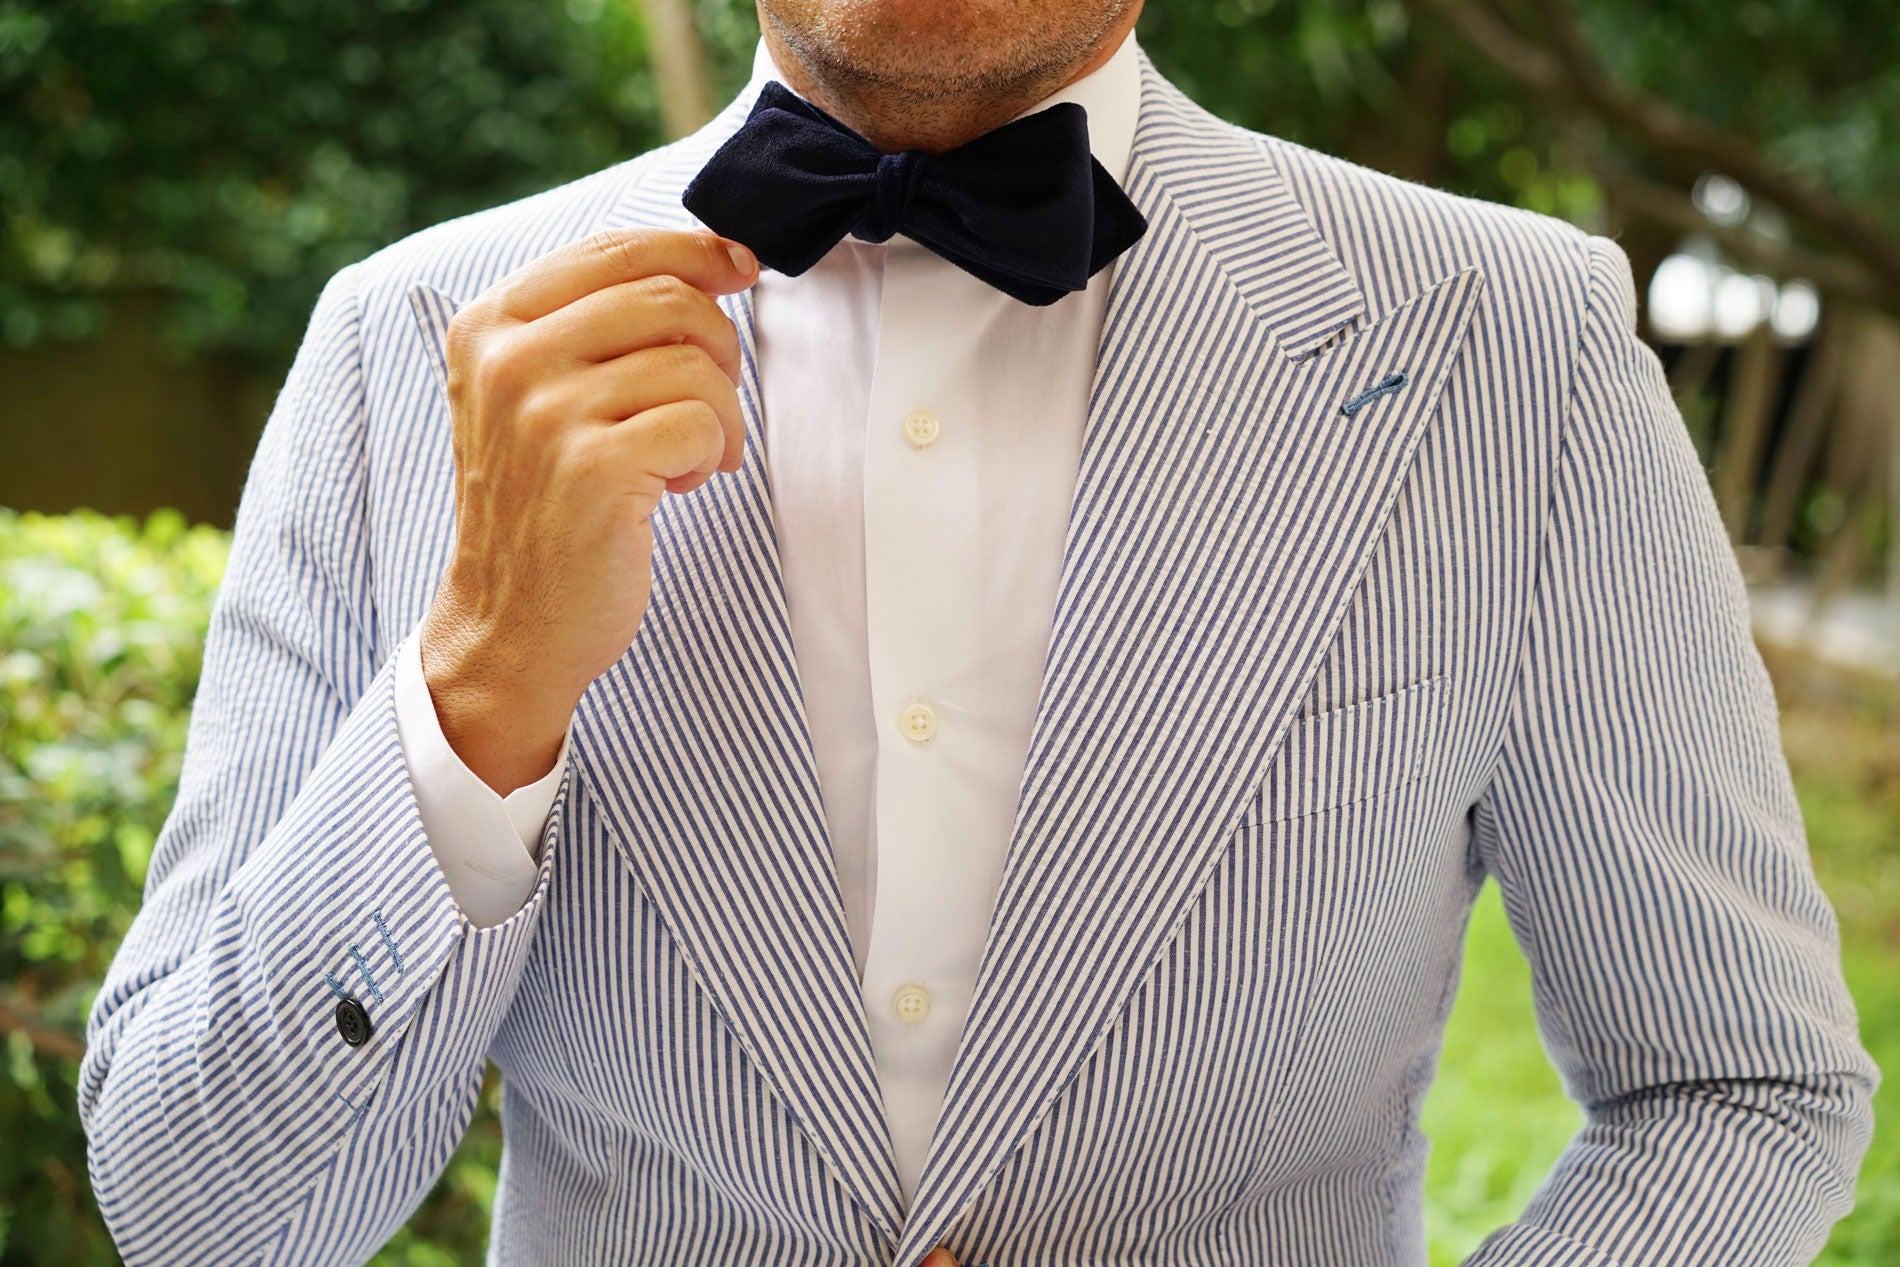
[925, 47]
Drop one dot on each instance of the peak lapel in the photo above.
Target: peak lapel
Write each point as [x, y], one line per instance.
[696, 748]
[697, 742]
[713, 786]
[1225, 507]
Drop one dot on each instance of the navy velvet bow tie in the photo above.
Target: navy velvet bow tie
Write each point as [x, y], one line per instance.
[1025, 207]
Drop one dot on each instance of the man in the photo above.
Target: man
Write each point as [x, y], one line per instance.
[979, 738]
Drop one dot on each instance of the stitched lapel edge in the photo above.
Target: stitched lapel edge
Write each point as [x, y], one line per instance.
[1114, 837]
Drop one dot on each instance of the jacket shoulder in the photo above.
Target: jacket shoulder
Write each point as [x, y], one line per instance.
[1398, 236]
[462, 257]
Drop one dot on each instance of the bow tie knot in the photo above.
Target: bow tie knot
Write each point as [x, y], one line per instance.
[1024, 207]
[895, 183]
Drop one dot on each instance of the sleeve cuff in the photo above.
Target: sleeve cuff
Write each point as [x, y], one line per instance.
[487, 845]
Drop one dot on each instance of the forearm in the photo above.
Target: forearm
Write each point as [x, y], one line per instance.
[219, 1095]
[1749, 1171]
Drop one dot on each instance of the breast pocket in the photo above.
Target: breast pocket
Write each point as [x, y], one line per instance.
[1351, 754]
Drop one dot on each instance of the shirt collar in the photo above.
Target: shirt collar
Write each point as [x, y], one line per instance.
[1110, 95]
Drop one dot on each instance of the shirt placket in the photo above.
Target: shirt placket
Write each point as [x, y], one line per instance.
[921, 465]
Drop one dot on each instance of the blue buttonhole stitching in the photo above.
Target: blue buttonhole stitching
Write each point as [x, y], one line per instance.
[362, 966]
[336, 986]
[1387, 385]
[389, 943]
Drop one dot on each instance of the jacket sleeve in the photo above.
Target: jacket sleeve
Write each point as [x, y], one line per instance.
[227, 1119]
[1643, 829]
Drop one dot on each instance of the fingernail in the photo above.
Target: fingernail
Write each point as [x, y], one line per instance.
[742, 259]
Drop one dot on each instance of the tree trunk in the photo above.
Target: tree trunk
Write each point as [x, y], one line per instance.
[1857, 465]
[678, 57]
[1816, 402]
[1754, 387]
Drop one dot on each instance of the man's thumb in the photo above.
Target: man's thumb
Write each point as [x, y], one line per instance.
[939, 1257]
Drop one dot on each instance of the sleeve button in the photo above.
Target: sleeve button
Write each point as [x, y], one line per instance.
[352, 1022]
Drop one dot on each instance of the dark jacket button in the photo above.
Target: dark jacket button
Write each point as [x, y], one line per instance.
[352, 1022]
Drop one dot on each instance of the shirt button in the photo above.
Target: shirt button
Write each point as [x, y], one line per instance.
[920, 427]
[911, 1003]
[352, 1022]
[918, 721]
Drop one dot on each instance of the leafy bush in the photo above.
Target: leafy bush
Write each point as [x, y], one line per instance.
[102, 626]
[235, 155]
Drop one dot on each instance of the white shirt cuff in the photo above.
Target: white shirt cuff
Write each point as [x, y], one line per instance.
[488, 845]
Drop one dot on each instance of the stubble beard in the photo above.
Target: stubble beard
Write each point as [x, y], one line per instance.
[959, 68]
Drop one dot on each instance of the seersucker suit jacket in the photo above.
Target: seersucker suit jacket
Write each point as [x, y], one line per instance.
[1390, 568]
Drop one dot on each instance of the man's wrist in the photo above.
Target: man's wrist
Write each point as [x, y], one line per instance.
[507, 737]
[504, 746]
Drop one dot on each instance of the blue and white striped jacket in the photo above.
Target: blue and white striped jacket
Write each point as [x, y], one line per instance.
[1324, 658]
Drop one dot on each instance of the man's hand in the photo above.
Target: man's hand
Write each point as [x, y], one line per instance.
[939, 1257]
[582, 387]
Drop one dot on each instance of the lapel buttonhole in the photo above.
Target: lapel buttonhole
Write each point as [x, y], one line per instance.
[1386, 386]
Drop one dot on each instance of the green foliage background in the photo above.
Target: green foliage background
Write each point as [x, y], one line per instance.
[102, 622]
[101, 635]
[234, 153]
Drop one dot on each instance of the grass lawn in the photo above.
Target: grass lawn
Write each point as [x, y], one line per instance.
[1496, 1115]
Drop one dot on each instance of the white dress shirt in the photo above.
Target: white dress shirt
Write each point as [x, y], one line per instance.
[922, 434]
